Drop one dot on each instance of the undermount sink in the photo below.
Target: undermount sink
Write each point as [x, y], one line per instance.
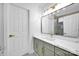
[48, 38]
[72, 40]
[75, 40]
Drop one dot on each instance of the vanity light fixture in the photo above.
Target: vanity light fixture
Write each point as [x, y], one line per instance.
[55, 7]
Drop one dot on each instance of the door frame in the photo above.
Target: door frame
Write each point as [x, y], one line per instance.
[5, 16]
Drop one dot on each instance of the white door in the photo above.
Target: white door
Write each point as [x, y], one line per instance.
[1, 31]
[17, 30]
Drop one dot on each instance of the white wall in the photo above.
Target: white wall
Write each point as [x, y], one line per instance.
[34, 21]
[35, 24]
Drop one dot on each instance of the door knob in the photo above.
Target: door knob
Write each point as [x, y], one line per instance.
[11, 35]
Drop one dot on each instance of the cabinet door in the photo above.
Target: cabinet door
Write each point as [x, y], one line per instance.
[48, 49]
[61, 52]
[40, 48]
[48, 52]
[35, 45]
[69, 54]
[49, 46]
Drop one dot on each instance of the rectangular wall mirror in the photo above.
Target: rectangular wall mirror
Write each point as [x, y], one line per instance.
[67, 25]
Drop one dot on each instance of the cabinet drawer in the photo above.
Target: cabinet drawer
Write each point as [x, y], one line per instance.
[49, 46]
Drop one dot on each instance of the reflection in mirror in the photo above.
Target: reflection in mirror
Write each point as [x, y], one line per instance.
[46, 25]
[68, 25]
[65, 26]
[60, 28]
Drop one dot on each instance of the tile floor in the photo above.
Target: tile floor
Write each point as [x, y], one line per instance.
[33, 54]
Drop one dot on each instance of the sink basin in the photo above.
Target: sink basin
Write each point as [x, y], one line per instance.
[75, 40]
[49, 38]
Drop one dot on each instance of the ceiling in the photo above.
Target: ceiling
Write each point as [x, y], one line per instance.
[41, 6]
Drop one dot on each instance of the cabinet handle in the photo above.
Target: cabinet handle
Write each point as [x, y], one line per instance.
[43, 50]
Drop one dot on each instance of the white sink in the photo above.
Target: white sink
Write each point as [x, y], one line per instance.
[49, 38]
[75, 40]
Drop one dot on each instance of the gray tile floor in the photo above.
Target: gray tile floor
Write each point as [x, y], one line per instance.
[33, 54]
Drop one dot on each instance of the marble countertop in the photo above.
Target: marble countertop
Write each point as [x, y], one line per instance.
[69, 44]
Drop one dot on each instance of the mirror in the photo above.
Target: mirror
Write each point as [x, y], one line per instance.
[69, 25]
[65, 26]
[63, 23]
[46, 24]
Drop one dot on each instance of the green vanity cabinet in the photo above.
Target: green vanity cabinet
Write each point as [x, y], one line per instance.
[62, 52]
[48, 52]
[40, 48]
[35, 45]
[43, 48]
[48, 49]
